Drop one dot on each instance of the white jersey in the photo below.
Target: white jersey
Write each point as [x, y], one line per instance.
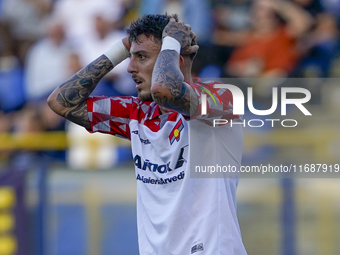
[177, 214]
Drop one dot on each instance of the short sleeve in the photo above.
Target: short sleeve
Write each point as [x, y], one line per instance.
[111, 115]
[219, 102]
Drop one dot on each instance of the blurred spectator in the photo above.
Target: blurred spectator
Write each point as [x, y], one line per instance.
[26, 121]
[47, 63]
[333, 7]
[77, 16]
[11, 84]
[130, 11]
[5, 124]
[1, 7]
[269, 48]
[47, 66]
[21, 24]
[231, 19]
[319, 47]
[314, 7]
[29, 120]
[93, 47]
[194, 12]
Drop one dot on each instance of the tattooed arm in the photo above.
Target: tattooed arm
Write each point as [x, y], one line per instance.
[69, 99]
[169, 88]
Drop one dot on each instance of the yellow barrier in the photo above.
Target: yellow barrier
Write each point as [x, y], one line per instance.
[54, 140]
[318, 141]
[34, 141]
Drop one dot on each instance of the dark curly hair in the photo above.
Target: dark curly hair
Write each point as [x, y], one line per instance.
[152, 25]
[149, 25]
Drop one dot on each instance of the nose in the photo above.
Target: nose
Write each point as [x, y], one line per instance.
[132, 67]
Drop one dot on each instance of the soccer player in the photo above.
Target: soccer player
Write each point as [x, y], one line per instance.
[176, 214]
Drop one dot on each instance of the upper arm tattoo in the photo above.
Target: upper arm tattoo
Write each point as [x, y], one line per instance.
[79, 115]
[171, 91]
[73, 94]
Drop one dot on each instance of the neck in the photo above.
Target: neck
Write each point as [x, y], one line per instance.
[187, 77]
[186, 69]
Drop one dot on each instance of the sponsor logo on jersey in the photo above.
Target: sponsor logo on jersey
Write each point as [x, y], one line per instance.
[160, 168]
[143, 141]
[161, 181]
[176, 132]
[197, 247]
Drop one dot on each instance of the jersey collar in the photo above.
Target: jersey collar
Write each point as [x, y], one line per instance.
[154, 111]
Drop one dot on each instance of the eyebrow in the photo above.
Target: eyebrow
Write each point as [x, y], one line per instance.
[137, 52]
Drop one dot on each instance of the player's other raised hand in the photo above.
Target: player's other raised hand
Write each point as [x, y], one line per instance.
[182, 33]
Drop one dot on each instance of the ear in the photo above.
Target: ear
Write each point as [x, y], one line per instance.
[181, 61]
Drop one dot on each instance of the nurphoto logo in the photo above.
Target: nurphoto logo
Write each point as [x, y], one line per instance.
[238, 105]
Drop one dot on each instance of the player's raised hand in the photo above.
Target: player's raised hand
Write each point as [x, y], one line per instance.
[182, 33]
[126, 43]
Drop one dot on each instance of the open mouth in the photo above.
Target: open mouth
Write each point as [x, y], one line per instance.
[138, 81]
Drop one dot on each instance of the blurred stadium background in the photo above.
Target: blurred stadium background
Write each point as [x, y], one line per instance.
[66, 192]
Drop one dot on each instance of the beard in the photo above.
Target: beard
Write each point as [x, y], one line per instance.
[145, 97]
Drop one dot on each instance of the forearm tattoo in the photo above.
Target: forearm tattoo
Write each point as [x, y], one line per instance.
[74, 92]
[173, 92]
